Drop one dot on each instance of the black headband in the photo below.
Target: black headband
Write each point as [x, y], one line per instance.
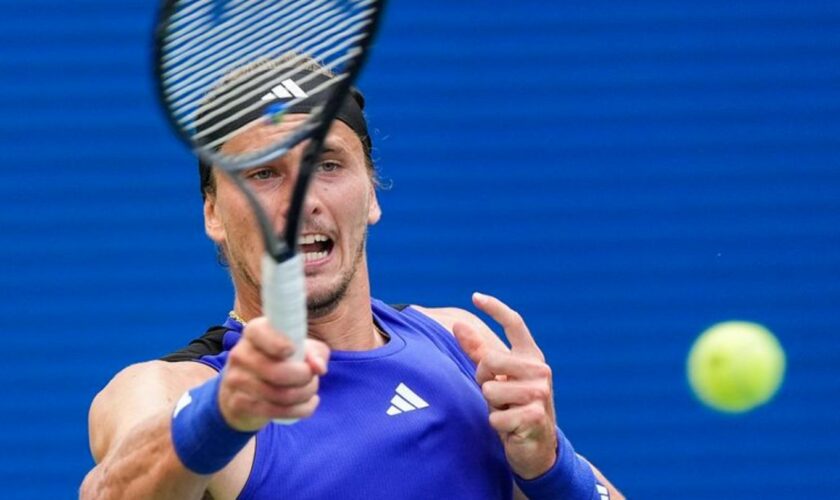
[351, 111]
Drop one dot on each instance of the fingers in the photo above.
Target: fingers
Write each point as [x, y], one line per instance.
[517, 385]
[317, 355]
[523, 422]
[510, 365]
[515, 328]
[245, 358]
[503, 394]
[470, 341]
[280, 395]
[277, 347]
[265, 339]
[253, 413]
[262, 381]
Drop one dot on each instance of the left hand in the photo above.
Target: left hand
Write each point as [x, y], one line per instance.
[517, 385]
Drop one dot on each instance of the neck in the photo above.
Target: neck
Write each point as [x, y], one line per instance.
[348, 327]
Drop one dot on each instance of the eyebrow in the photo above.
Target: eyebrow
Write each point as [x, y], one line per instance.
[328, 149]
[333, 147]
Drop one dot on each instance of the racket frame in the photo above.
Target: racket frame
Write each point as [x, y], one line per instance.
[283, 286]
[315, 130]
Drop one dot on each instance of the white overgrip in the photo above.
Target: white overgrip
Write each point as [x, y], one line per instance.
[284, 298]
[284, 302]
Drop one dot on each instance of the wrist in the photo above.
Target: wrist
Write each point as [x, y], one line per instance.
[539, 462]
[201, 437]
[570, 477]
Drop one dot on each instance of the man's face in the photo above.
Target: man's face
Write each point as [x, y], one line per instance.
[340, 204]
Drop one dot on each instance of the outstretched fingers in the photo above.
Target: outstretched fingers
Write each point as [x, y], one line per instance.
[520, 338]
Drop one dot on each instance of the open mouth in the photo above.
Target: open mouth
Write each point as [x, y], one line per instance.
[315, 247]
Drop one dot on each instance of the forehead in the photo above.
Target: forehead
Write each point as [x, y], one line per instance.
[340, 137]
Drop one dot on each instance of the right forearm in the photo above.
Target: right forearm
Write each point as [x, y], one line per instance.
[144, 465]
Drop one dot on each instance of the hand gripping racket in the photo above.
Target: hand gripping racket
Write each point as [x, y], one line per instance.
[224, 67]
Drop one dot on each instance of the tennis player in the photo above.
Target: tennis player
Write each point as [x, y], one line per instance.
[395, 402]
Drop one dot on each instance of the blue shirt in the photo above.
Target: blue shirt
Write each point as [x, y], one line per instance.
[403, 421]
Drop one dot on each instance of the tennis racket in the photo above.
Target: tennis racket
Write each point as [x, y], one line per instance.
[224, 67]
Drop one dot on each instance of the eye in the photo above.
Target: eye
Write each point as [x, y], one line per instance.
[261, 174]
[329, 166]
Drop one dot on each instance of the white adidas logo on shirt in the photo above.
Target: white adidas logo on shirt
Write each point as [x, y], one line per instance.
[405, 400]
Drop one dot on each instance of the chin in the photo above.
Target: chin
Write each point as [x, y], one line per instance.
[325, 291]
[322, 300]
[318, 307]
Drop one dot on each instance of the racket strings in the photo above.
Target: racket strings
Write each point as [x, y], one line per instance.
[182, 44]
[206, 7]
[205, 67]
[202, 56]
[261, 85]
[248, 96]
[188, 13]
[217, 142]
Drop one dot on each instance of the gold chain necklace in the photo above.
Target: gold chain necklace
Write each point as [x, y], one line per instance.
[237, 317]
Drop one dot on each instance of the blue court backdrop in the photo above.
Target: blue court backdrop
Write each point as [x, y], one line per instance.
[625, 174]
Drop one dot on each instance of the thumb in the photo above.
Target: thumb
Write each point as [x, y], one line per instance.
[317, 355]
[470, 341]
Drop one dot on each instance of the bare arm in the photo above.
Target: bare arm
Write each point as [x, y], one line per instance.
[130, 434]
[448, 317]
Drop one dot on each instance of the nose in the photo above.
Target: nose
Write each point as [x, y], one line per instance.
[312, 203]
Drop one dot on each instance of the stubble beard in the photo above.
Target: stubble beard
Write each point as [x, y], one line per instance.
[320, 305]
[317, 305]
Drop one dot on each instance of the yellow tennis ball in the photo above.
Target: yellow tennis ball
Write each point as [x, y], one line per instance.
[735, 366]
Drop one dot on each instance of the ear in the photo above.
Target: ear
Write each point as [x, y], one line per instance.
[374, 210]
[212, 223]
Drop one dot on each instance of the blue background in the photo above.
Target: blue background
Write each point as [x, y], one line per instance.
[624, 173]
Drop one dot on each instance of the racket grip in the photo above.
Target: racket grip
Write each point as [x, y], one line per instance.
[284, 302]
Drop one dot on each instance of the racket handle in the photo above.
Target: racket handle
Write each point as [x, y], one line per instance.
[284, 302]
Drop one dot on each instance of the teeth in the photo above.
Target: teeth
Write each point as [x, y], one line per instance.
[310, 256]
[308, 239]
